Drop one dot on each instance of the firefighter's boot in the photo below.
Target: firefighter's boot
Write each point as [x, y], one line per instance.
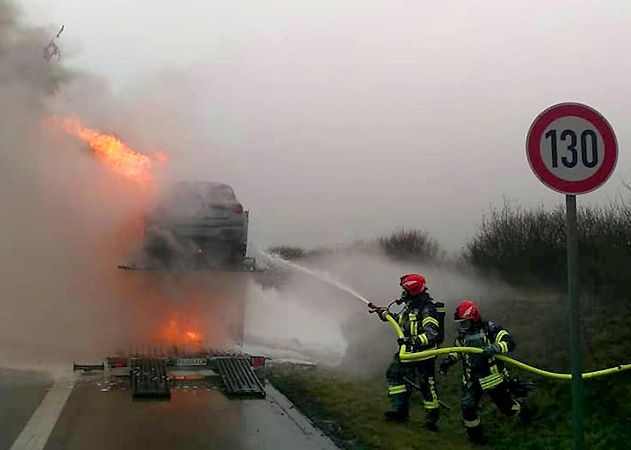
[398, 395]
[475, 435]
[527, 413]
[396, 415]
[431, 419]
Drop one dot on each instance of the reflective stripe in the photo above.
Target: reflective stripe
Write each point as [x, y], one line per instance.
[434, 403]
[413, 324]
[504, 346]
[492, 385]
[430, 320]
[489, 378]
[490, 381]
[500, 335]
[471, 423]
[424, 339]
[398, 389]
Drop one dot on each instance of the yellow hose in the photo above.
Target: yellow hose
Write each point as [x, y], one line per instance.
[406, 356]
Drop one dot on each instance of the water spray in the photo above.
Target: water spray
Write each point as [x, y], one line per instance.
[322, 276]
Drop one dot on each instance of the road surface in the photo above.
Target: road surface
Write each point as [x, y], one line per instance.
[37, 412]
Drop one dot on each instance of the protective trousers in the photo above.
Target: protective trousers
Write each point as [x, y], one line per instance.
[471, 395]
[422, 373]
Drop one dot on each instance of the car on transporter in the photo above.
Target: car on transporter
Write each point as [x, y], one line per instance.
[197, 223]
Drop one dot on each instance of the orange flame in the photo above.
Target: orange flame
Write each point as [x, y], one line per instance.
[117, 155]
[193, 336]
[174, 333]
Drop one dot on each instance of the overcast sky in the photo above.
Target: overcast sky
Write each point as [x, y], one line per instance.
[336, 120]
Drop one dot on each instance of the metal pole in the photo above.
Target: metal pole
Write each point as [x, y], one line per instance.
[575, 342]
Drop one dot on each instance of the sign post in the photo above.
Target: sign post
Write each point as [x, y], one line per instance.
[571, 236]
[572, 149]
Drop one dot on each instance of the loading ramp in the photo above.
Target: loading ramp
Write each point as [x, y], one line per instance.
[149, 378]
[152, 373]
[239, 377]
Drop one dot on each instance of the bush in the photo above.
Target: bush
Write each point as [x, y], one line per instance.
[288, 252]
[524, 246]
[412, 245]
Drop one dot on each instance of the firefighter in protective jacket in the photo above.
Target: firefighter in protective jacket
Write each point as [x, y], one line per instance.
[421, 324]
[482, 372]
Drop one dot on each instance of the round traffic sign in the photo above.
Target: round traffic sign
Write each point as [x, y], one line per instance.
[571, 148]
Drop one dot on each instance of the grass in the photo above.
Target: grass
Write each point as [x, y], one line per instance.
[357, 406]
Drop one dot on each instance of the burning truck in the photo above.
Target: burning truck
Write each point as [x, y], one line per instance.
[187, 324]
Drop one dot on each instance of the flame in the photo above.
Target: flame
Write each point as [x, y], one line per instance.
[194, 336]
[174, 333]
[113, 152]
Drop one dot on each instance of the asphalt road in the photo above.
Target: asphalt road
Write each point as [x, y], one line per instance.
[21, 392]
[37, 412]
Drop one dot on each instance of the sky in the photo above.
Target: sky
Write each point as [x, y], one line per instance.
[340, 120]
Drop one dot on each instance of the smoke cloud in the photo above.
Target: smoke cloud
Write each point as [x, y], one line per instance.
[68, 221]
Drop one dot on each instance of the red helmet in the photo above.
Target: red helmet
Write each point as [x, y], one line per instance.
[467, 310]
[413, 284]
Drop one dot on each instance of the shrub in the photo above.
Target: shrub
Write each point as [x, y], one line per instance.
[288, 252]
[526, 245]
[410, 245]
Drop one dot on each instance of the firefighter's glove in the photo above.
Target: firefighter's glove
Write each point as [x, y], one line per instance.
[403, 341]
[382, 313]
[489, 351]
[380, 310]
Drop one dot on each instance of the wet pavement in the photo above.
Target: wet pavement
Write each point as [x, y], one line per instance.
[21, 392]
[98, 415]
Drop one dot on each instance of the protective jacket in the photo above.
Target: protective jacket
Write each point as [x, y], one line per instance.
[419, 321]
[479, 368]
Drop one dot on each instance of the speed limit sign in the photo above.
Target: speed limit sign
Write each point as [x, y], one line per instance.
[571, 148]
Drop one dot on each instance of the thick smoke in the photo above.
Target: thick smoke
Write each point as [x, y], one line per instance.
[67, 222]
[39, 267]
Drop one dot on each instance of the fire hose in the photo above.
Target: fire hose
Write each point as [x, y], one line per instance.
[408, 356]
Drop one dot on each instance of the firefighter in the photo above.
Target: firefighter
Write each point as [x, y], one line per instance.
[421, 325]
[482, 371]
